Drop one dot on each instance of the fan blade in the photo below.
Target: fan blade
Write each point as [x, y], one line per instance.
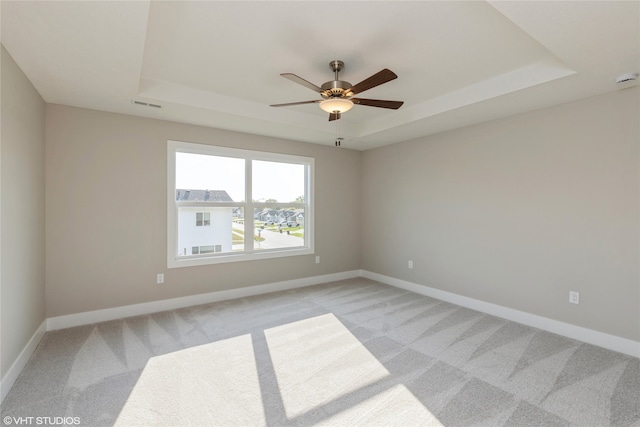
[301, 81]
[377, 79]
[393, 105]
[334, 116]
[294, 103]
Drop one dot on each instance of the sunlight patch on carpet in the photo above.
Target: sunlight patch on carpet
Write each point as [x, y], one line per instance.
[308, 371]
[217, 381]
[318, 361]
[394, 406]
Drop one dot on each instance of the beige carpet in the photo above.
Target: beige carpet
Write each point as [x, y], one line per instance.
[347, 353]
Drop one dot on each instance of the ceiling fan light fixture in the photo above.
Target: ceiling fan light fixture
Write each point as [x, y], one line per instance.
[334, 105]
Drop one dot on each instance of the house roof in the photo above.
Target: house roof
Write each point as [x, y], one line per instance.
[185, 195]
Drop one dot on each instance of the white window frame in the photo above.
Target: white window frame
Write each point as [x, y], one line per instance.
[249, 206]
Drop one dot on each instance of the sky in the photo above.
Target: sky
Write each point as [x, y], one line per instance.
[271, 180]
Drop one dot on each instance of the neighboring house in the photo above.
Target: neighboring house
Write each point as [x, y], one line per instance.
[205, 229]
[296, 215]
[269, 215]
[263, 215]
[276, 216]
[281, 216]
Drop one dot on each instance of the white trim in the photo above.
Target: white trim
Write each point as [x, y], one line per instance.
[21, 361]
[601, 339]
[90, 317]
[253, 256]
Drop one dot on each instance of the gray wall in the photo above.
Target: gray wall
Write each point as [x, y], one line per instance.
[517, 212]
[22, 272]
[106, 221]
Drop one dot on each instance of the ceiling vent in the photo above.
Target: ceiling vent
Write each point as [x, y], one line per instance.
[626, 78]
[146, 104]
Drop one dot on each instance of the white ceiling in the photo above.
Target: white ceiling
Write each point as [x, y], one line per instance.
[218, 63]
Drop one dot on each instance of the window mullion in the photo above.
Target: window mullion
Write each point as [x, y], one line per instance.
[248, 211]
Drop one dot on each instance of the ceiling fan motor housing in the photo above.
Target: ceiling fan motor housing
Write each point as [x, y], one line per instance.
[335, 89]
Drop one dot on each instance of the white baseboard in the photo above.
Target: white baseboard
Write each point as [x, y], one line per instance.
[579, 333]
[18, 365]
[590, 336]
[90, 317]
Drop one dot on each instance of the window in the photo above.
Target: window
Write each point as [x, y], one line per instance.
[203, 219]
[226, 204]
[210, 249]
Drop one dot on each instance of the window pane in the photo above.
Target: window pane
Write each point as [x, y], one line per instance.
[277, 182]
[225, 233]
[206, 178]
[237, 230]
[207, 249]
[278, 228]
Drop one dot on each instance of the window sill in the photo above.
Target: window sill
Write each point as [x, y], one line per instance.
[227, 258]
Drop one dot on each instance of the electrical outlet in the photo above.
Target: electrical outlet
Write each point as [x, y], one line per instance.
[317, 259]
[574, 297]
[410, 264]
[160, 278]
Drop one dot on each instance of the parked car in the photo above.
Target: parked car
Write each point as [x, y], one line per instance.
[292, 224]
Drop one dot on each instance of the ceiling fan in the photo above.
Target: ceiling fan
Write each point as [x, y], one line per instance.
[337, 95]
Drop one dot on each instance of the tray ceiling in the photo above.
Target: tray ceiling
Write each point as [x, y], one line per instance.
[217, 63]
